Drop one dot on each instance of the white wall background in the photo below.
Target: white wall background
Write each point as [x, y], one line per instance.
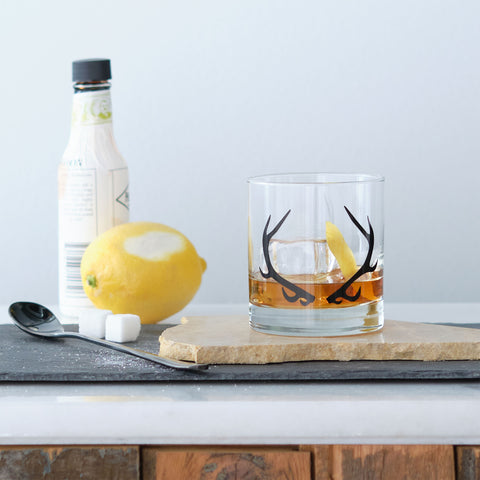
[207, 93]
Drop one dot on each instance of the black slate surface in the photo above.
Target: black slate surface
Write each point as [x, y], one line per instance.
[24, 358]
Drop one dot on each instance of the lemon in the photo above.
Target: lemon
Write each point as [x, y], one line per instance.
[143, 268]
[341, 251]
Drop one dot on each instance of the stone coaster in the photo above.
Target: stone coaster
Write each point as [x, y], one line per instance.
[230, 340]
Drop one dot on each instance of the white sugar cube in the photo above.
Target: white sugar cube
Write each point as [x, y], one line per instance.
[91, 322]
[122, 327]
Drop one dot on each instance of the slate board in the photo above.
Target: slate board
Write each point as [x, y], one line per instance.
[24, 358]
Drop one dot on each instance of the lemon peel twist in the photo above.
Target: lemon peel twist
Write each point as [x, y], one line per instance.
[340, 250]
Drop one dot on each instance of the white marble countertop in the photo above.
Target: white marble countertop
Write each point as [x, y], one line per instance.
[249, 413]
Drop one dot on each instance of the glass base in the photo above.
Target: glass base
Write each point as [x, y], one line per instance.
[319, 322]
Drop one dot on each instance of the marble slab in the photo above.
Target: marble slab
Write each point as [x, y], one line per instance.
[230, 340]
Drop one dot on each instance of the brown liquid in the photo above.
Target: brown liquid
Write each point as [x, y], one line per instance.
[268, 292]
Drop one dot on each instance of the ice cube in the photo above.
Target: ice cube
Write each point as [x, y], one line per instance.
[325, 260]
[293, 258]
[123, 327]
[91, 322]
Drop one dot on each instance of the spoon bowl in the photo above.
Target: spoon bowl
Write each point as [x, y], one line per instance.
[39, 321]
[35, 319]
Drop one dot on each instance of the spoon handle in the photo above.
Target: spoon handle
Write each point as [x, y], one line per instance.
[178, 364]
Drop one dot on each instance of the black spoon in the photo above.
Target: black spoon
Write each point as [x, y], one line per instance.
[38, 320]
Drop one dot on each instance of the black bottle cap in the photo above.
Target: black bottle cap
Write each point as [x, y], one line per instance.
[91, 70]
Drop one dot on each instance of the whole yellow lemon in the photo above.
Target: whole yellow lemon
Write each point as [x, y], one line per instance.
[143, 268]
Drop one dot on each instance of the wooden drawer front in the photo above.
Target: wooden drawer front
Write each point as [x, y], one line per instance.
[71, 463]
[382, 462]
[224, 465]
[468, 463]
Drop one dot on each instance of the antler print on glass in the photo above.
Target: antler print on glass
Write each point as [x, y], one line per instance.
[341, 293]
[298, 293]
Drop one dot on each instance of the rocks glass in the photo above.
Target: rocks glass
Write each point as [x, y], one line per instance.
[315, 253]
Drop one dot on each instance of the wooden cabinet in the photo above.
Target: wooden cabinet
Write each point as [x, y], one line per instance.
[299, 462]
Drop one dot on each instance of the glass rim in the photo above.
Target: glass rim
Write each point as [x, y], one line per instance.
[313, 178]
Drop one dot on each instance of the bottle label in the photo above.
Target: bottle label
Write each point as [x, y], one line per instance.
[78, 203]
[121, 196]
[92, 108]
[91, 201]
